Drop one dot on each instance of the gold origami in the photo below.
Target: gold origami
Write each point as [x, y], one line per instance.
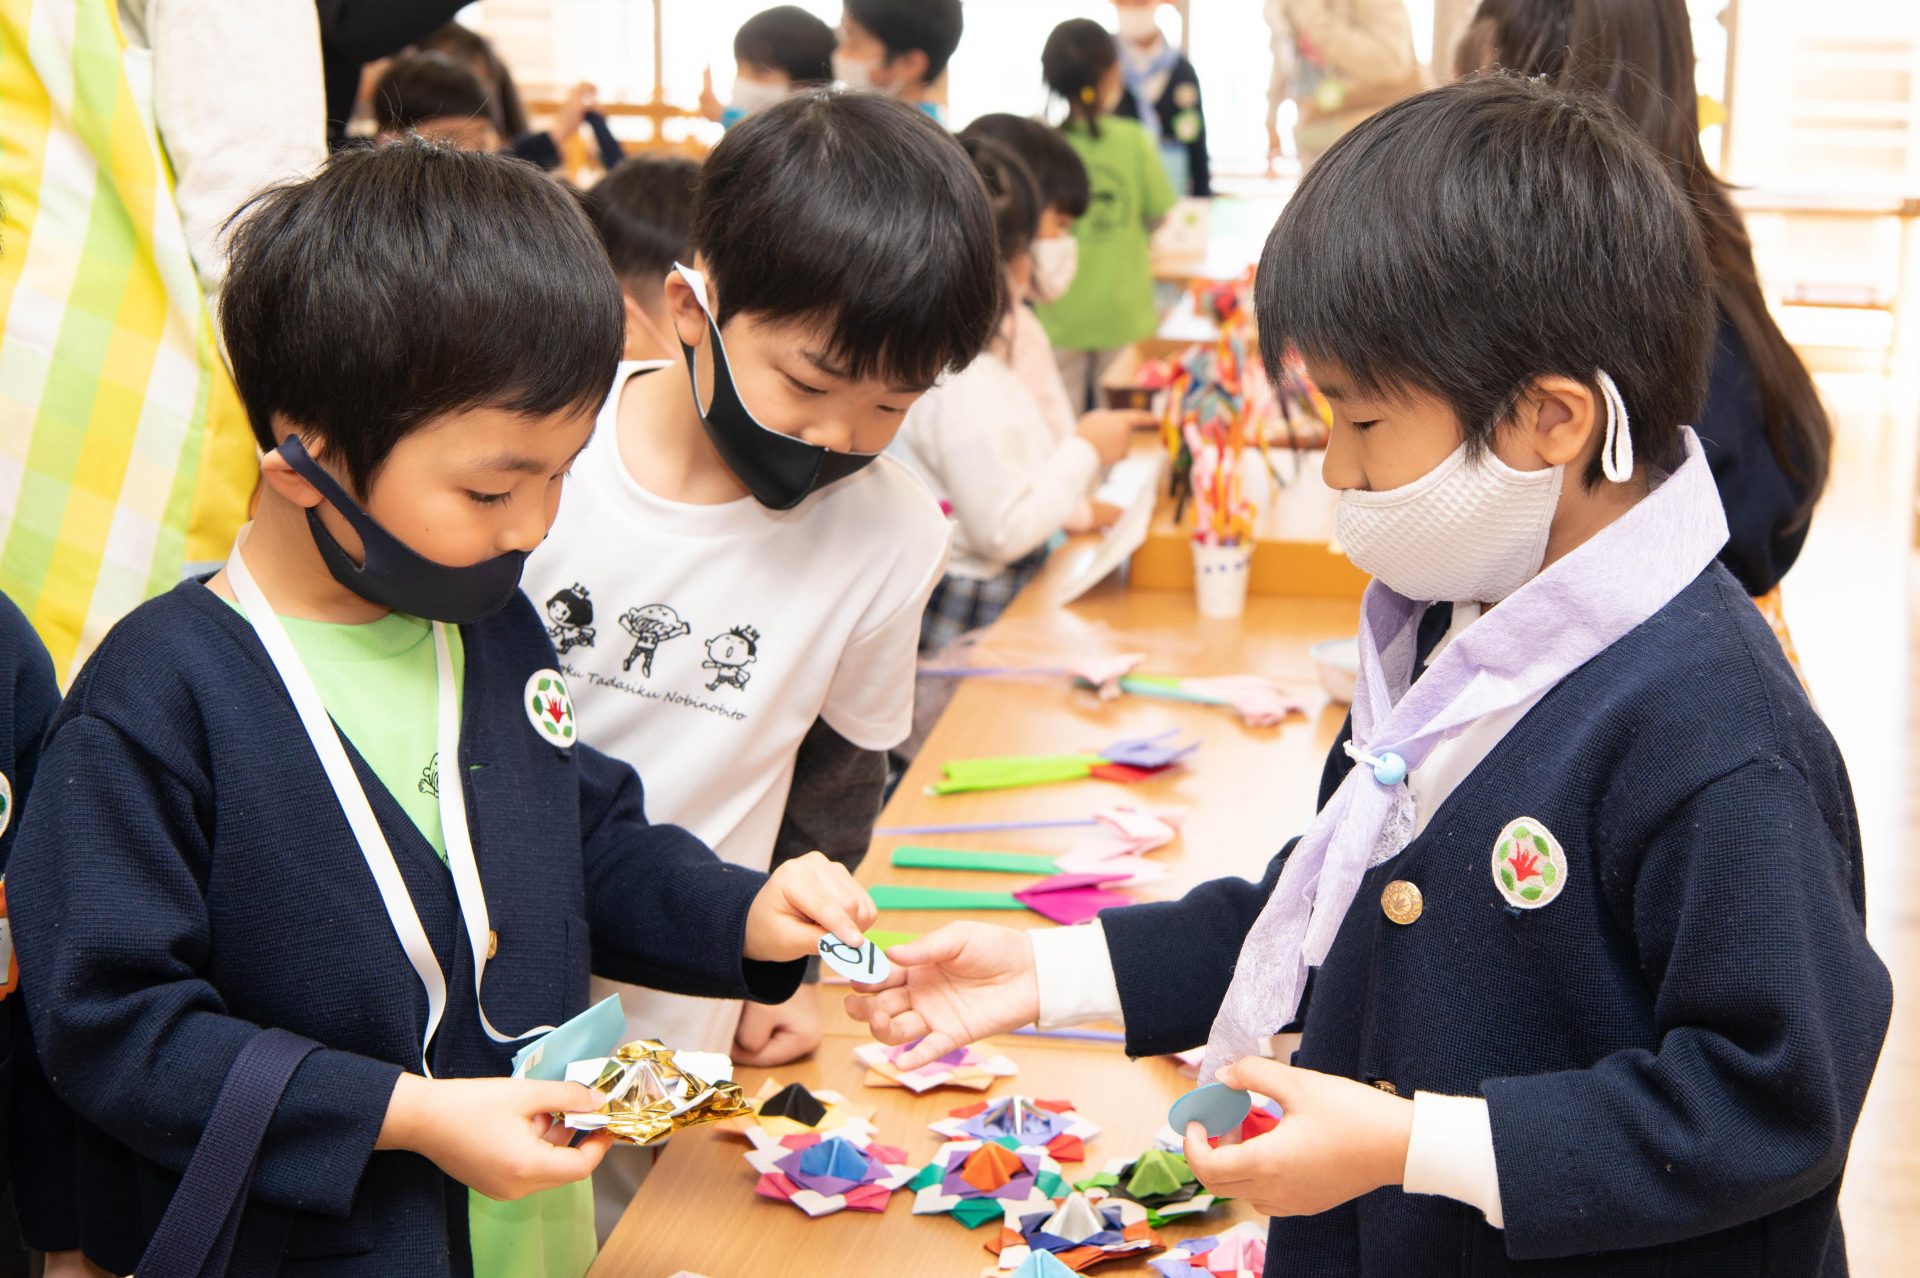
[649, 1096]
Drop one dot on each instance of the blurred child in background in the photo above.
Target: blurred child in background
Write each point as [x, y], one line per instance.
[775, 52]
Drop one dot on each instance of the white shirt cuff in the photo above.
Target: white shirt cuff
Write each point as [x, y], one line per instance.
[1451, 1152]
[1075, 973]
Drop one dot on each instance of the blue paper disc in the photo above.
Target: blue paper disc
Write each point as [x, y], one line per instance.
[1218, 1108]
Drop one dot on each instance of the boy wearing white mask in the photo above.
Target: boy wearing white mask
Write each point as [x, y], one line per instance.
[1583, 906]
[776, 52]
[899, 47]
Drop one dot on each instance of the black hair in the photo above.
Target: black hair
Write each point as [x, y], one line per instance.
[405, 282]
[1078, 54]
[417, 87]
[857, 213]
[642, 210]
[1057, 168]
[787, 38]
[576, 601]
[1011, 193]
[509, 116]
[931, 26]
[1474, 238]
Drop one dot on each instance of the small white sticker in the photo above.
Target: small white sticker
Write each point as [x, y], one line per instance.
[866, 965]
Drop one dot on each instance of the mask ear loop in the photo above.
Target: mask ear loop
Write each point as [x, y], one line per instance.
[1616, 450]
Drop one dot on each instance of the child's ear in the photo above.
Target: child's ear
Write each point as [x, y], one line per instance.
[1562, 420]
[276, 474]
[910, 67]
[683, 309]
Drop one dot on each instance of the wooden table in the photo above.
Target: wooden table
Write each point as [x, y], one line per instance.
[1248, 791]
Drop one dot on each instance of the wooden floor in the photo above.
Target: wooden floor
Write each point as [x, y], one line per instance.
[1853, 601]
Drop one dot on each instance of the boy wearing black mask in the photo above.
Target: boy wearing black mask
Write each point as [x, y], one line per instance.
[329, 810]
[843, 259]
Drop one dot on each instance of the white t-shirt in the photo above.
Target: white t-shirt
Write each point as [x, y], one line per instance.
[984, 447]
[700, 643]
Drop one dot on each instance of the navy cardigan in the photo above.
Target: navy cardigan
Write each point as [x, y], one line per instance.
[35, 1132]
[187, 877]
[1674, 1051]
[1764, 532]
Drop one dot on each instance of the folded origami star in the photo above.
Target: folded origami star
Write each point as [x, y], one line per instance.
[966, 1067]
[1240, 1252]
[976, 1181]
[824, 1174]
[1159, 1180]
[1053, 1125]
[1078, 1234]
[784, 1111]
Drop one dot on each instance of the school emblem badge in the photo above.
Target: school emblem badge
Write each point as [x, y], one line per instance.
[549, 708]
[1529, 867]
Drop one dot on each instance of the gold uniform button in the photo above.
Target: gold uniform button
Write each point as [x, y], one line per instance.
[1402, 902]
[493, 943]
[1386, 1085]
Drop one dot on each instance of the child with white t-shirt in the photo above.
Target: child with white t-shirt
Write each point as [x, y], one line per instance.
[983, 444]
[737, 577]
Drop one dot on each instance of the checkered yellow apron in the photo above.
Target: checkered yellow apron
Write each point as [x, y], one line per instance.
[124, 453]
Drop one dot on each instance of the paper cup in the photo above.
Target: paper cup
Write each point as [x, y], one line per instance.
[1220, 578]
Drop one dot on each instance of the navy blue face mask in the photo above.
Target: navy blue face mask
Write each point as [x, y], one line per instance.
[393, 575]
[779, 470]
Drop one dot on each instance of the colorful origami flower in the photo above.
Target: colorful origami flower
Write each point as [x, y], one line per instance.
[824, 1174]
[976, 1181]
[1159, 1181]
[1053, 1125]
[1240, 1252]
[965, 1067]
[784, 1111]
[1079, 1234]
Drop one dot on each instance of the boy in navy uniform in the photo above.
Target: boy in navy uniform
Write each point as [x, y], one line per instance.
[1583, 905]
[337, 789]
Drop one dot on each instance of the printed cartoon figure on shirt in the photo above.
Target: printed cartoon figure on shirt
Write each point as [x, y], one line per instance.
[729, 655]
[650, 627]
[571, 612]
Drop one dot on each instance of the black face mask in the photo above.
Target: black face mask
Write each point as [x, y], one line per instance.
[779, 470]
[394, 576]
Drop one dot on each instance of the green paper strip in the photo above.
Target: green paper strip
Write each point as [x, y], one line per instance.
[964, 775]
[917, 858]
[889, 896]
[887, 940]
[1165, 688]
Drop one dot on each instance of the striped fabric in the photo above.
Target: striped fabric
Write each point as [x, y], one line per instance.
[124, 453]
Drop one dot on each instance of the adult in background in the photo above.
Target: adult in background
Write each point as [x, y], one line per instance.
[1339, 61]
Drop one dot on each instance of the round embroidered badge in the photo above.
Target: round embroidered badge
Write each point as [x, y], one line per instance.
[549, 708]
[1529, 867]
[6, 802]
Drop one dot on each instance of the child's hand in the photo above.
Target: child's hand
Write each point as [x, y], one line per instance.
[964, 982]
[496, 1135]
[779, 1034]
[1110, 431]
[803, 898]
[1337, 1140]
[71, 1264]
[573, 111]
[710, 104]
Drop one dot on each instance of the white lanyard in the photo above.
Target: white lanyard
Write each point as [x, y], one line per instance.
[359, 813]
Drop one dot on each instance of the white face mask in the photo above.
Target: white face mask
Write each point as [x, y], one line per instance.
[756, 95]
[1135, 23]
[856, 74]
[1469, 531]
[1055, 260]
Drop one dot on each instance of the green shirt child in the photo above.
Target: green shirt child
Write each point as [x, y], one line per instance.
[1110, 303]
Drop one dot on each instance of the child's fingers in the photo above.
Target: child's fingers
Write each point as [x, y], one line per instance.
[896, 977]
[932, 1046]
[558, 1098]
[940, 946]
[1268, 1077]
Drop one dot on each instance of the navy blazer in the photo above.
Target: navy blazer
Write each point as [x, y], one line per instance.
[1674, 1051]
[1183, 82]
[1764, 531]
[187, 877]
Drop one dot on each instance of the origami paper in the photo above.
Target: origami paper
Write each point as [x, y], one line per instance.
[1260, 702]
[918, 858]
[966, 1067]
[824, 1174]
[1240, 1252]
[592, 1034]
[785, 1111]
[1078, 1234]
[1054, 1125]
[1127, 760]
[1158, 1180]
[1123, 820]
[1074, 898]
[893, 896]
[976, 1181]
[1263, 1117]
[653, 1092]
[1041, 1264]
[1100, 673]
[1215, 1106]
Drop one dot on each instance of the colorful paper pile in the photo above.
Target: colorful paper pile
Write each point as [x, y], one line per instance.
[1159, 1181]
[824, 1174]
[976, 1181]
[1078, 1234]
[1126, 761]
[963, 1067]
[786, 1111]
[1052, 1124]
[1240, 1252]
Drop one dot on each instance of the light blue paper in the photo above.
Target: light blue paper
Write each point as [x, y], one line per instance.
[594, 1033]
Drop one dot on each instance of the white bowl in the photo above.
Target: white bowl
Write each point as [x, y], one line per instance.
[1338, 661]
